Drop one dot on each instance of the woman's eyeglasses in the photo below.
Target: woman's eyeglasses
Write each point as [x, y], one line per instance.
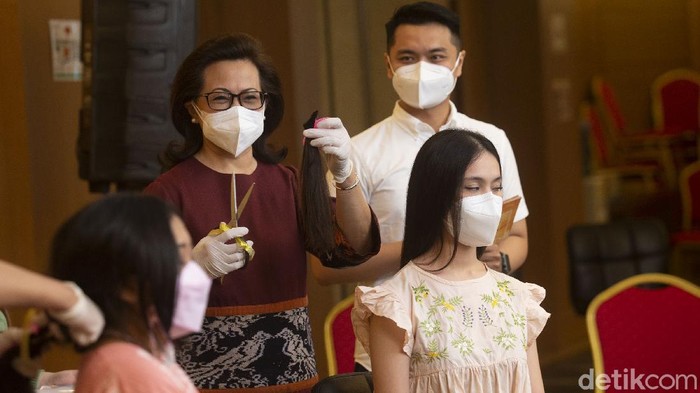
[223, 100]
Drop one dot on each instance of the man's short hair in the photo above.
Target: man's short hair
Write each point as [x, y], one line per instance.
[423, 13]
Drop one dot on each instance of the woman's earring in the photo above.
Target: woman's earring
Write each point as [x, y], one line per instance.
[194, 120]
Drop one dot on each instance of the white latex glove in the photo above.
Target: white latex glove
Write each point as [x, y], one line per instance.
[331, 137]
[84, 319]
[10, 338]
[218, 258]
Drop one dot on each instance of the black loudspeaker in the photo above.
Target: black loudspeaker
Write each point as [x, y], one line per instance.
[131, 51]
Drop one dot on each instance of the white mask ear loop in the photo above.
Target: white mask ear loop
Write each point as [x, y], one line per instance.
[388, 60]
[459, 57]
[198, 111]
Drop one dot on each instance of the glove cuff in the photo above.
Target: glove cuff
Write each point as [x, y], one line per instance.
[344, 173]
[74, 310]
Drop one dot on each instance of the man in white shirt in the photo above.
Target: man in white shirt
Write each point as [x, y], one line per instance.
[424, 60]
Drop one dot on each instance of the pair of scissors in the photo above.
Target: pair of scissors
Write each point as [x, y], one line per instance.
[236, 211]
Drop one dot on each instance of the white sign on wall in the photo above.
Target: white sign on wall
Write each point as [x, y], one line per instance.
[65, 50]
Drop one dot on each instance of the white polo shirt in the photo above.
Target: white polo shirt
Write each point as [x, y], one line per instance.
[383, 156]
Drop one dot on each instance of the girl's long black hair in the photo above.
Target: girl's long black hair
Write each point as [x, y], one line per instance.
[435, 186]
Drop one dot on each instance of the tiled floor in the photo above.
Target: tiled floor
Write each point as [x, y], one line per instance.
[563, 377]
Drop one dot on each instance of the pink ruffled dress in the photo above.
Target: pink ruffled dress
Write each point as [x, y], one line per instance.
[462, 336]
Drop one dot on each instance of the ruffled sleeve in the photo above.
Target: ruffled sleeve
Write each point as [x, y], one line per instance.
[380, 301]
[536, 315]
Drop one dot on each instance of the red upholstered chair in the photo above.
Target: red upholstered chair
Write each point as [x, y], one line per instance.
[638, 327]
[603, 161]
[339, 337]
[675, 104]
[675, 98]
[687, 240]
[639, 146]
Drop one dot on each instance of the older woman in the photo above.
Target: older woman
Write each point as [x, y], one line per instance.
[226, 102]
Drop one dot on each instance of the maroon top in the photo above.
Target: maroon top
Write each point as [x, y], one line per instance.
[203, 198]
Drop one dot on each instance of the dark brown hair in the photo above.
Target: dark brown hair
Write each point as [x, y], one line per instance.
[188, 85]
[316, 211]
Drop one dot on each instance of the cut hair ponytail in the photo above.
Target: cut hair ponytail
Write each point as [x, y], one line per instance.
[316, 211]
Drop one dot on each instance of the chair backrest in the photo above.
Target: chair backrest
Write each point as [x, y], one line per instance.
[597, 143]
[339, 337]
[675, 100]
[689, 187]
[602, 254]
[605, 101]
[355, 382]
[647, 325]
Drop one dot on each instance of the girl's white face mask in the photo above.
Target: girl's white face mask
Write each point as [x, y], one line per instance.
[234, 130]
[479, 221]
[423, 85]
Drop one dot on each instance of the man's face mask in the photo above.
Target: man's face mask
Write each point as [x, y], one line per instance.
[423, 85]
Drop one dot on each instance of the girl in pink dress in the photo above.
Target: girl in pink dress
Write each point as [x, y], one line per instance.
[446, 322]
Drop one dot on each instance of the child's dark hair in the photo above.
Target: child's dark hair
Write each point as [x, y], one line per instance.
[435, 186]
[123, 242]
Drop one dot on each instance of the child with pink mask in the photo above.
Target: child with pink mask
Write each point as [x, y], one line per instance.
[131, 255]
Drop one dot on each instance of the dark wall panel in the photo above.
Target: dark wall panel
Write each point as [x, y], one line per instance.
[131, 51]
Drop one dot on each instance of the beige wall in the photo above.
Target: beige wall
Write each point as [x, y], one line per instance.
[16, 225]
[52, 121]
[329, 54]
[38, 168]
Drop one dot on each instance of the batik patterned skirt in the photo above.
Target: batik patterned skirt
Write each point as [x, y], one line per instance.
[267, 348]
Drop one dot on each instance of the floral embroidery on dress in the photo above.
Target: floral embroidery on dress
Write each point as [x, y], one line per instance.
[435, 352]
[420, 292]
[494, 299]
[442, 304]
[505, 339]
[504, 286]
[484, 316]
[467, 317]
[519, 320]
[463, 344]
[448, 317]
[431, 326]
[469, 335]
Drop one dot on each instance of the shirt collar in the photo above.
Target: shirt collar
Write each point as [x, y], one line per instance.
[417, 127]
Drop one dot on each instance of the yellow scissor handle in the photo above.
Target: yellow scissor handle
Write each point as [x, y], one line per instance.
[239, 240]
[29, 317]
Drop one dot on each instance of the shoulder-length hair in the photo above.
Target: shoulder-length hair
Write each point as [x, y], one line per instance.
[121, 242]
[188, 84]
[435, 186]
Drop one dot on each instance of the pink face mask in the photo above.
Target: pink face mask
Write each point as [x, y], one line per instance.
[193, 286]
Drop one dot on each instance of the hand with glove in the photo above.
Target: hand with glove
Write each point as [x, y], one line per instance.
[217, 257]
[83, 319]
[331, 137]
[10, 338]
